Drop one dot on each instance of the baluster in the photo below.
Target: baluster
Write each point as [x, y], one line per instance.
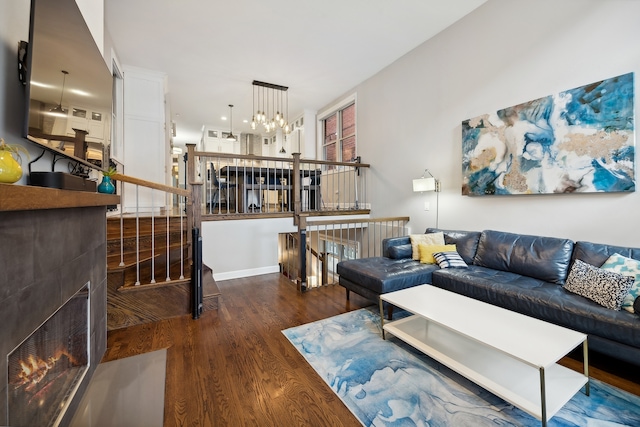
[121, 226]
[168, 220]
[182, 243]
[137, 237]
[153, 236]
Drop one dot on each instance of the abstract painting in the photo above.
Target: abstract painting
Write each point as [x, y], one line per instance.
[578, 141]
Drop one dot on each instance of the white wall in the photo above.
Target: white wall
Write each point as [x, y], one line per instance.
[146, 147]
[504, 53]
[93, 13]
[242, 248]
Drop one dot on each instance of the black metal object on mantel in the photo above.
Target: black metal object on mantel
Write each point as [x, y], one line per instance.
[62, 181]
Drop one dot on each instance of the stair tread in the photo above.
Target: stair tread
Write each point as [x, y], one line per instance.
[158, 284]
[209, 287]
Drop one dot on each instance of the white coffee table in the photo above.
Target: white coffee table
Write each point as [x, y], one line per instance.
[509, 354]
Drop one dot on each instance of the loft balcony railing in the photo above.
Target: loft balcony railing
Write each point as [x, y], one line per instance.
[232, 186]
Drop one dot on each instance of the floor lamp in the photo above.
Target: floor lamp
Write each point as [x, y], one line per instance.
[428, 183]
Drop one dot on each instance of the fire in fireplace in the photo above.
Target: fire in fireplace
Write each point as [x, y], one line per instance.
[47, 367]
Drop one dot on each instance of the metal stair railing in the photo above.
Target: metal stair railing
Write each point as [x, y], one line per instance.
[309, 256]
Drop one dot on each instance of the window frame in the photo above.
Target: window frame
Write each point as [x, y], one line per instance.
[337, 109]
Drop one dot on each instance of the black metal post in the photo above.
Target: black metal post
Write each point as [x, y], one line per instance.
[196, 274]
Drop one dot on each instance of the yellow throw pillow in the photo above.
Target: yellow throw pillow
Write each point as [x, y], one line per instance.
[426, 239]
[427, 251]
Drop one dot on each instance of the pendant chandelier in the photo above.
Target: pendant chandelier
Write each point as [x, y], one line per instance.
[270, 106]
[231, 137]
[58, 110]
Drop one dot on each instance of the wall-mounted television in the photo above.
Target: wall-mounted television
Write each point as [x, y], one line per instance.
[68, 85]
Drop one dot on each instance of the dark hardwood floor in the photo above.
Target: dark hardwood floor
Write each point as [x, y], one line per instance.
[234, 367]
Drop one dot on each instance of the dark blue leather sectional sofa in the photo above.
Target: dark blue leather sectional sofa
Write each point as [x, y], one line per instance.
[519, 272]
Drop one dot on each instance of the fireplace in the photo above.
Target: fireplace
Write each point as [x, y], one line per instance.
[56, 243]
[46, 369]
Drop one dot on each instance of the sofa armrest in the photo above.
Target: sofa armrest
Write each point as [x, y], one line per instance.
[393, 241]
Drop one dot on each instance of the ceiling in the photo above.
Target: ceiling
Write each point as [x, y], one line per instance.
[212, 50]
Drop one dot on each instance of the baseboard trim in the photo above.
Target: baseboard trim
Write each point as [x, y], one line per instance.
[246, 273]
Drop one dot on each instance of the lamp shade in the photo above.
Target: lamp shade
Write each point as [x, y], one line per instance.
[424, 184]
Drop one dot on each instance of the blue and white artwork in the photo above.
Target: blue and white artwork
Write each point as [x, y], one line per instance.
[581, 140]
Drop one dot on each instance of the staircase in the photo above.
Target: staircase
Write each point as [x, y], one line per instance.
[149, 250]
[151, 292]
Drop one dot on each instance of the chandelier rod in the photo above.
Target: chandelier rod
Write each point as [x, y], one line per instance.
[270, 85]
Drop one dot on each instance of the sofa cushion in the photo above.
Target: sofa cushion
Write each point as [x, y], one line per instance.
[449, 260]
[400, 251]
[426, 239]
[604, 287]
[627, 267]
[544, 258]
[382, 274]
[427, 251]
[542, 300]
[466, 241]
[598, 253]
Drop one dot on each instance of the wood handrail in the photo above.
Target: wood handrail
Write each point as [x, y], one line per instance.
[326, 162]
[276, 159]
[351, 221]
[241, 157]
[149, 184]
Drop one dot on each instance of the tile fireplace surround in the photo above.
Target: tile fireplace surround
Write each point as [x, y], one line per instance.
[52, 242]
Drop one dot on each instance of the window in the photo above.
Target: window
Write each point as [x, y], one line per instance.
[339, 134]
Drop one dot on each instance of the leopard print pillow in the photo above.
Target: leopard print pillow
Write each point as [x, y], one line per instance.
[604, 287]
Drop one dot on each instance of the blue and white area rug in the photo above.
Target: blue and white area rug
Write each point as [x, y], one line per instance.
[387, 383]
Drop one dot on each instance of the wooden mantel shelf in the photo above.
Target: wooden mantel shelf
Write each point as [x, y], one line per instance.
[25, 197]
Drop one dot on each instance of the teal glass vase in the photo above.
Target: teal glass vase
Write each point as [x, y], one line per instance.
[106, 186]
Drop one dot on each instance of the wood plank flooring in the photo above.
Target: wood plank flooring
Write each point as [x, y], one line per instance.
[152, 303]
[234, 367]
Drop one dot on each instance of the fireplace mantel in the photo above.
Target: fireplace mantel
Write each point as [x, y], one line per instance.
[26, 197]
[53, 243]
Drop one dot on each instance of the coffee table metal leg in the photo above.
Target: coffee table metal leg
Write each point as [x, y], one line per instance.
[585, 361]
[382, 318]
[543, 398]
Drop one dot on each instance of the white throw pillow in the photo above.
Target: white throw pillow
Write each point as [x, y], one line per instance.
[426, 239]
